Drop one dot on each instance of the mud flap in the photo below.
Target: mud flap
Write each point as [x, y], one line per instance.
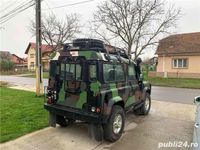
[96, 131]
[52, 119]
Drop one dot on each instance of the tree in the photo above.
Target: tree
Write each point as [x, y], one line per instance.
[135, 23]
[6, 65]
[56, 32]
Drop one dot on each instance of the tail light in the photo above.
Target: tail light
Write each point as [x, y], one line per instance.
[50, 100]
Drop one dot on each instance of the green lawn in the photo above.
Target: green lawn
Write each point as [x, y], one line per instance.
[174, 82]
[21, 112]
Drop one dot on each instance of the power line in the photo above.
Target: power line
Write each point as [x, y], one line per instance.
[9, 4]
[21, 5]
[20, 8]
[77, 3]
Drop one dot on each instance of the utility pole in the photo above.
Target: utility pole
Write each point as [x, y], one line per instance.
[39, 85]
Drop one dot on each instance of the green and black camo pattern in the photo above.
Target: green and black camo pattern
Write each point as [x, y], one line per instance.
[97, 93]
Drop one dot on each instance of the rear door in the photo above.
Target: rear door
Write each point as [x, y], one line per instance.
[73, 89]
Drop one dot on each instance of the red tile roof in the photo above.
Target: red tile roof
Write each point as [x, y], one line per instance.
[188, 43]
[18, 60]
[44, 47]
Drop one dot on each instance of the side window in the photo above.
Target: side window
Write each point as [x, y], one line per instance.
[108, 73]
[119, 73]
[113, 73]
[131, 73]
[92, 72]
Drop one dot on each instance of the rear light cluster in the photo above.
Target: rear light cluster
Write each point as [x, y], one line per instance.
[94, 109]
[50, 100]
[51, 97]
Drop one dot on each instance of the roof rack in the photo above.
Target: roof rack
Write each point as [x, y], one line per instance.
[95, 45]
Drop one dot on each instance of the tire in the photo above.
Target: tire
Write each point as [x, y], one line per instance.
[117, 116]
[63, 122]
[146, 106]
[89, 43]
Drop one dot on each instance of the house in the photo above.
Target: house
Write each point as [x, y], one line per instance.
[31, 55]
[19, 63]
[179, 56]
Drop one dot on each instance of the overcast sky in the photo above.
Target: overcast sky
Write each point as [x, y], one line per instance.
[15, 36]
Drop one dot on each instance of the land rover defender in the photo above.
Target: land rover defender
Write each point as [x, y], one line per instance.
[95, 83]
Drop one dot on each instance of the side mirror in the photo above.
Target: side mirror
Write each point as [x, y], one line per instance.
[197, 99]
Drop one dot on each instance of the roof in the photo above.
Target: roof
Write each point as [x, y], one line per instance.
[45, 48]
[19, 60]
[188, 43]
[18, 57]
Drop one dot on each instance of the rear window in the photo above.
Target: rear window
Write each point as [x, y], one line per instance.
[92, 72]
[71, 71]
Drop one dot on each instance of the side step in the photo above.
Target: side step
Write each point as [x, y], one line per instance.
[138, 105]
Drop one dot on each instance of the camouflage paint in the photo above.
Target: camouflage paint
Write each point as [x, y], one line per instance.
[114, 89]
[94, 86]
[62, 94]
[82, 100]
[130, 101]
[120, 91]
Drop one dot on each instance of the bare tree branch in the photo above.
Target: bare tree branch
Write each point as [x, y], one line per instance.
[137, 23]
[56, 32]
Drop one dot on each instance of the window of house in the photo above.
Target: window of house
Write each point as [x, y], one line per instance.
[32, 64]
[32, 55]
[180, 63]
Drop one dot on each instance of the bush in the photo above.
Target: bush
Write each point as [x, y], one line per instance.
[6, 65]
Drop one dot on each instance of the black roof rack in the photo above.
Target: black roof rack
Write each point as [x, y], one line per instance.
[95, 45]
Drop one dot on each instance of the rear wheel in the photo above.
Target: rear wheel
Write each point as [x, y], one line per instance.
[115, 126]
[63, 121]
[146, 106]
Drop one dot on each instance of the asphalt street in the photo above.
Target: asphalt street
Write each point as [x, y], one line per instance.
[169, 94]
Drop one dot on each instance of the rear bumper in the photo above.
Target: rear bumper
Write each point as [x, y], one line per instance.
[76, 114]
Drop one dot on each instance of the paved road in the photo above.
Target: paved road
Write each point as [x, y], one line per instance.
[177, 95]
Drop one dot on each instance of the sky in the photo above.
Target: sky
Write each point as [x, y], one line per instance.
[15, 34]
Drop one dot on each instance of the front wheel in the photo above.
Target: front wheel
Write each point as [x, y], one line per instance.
[115, 125]
[146, 106]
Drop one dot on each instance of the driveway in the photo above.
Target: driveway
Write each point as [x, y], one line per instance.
[166, 122]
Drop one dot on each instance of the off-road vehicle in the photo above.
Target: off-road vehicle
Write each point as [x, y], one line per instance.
[95, 83]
